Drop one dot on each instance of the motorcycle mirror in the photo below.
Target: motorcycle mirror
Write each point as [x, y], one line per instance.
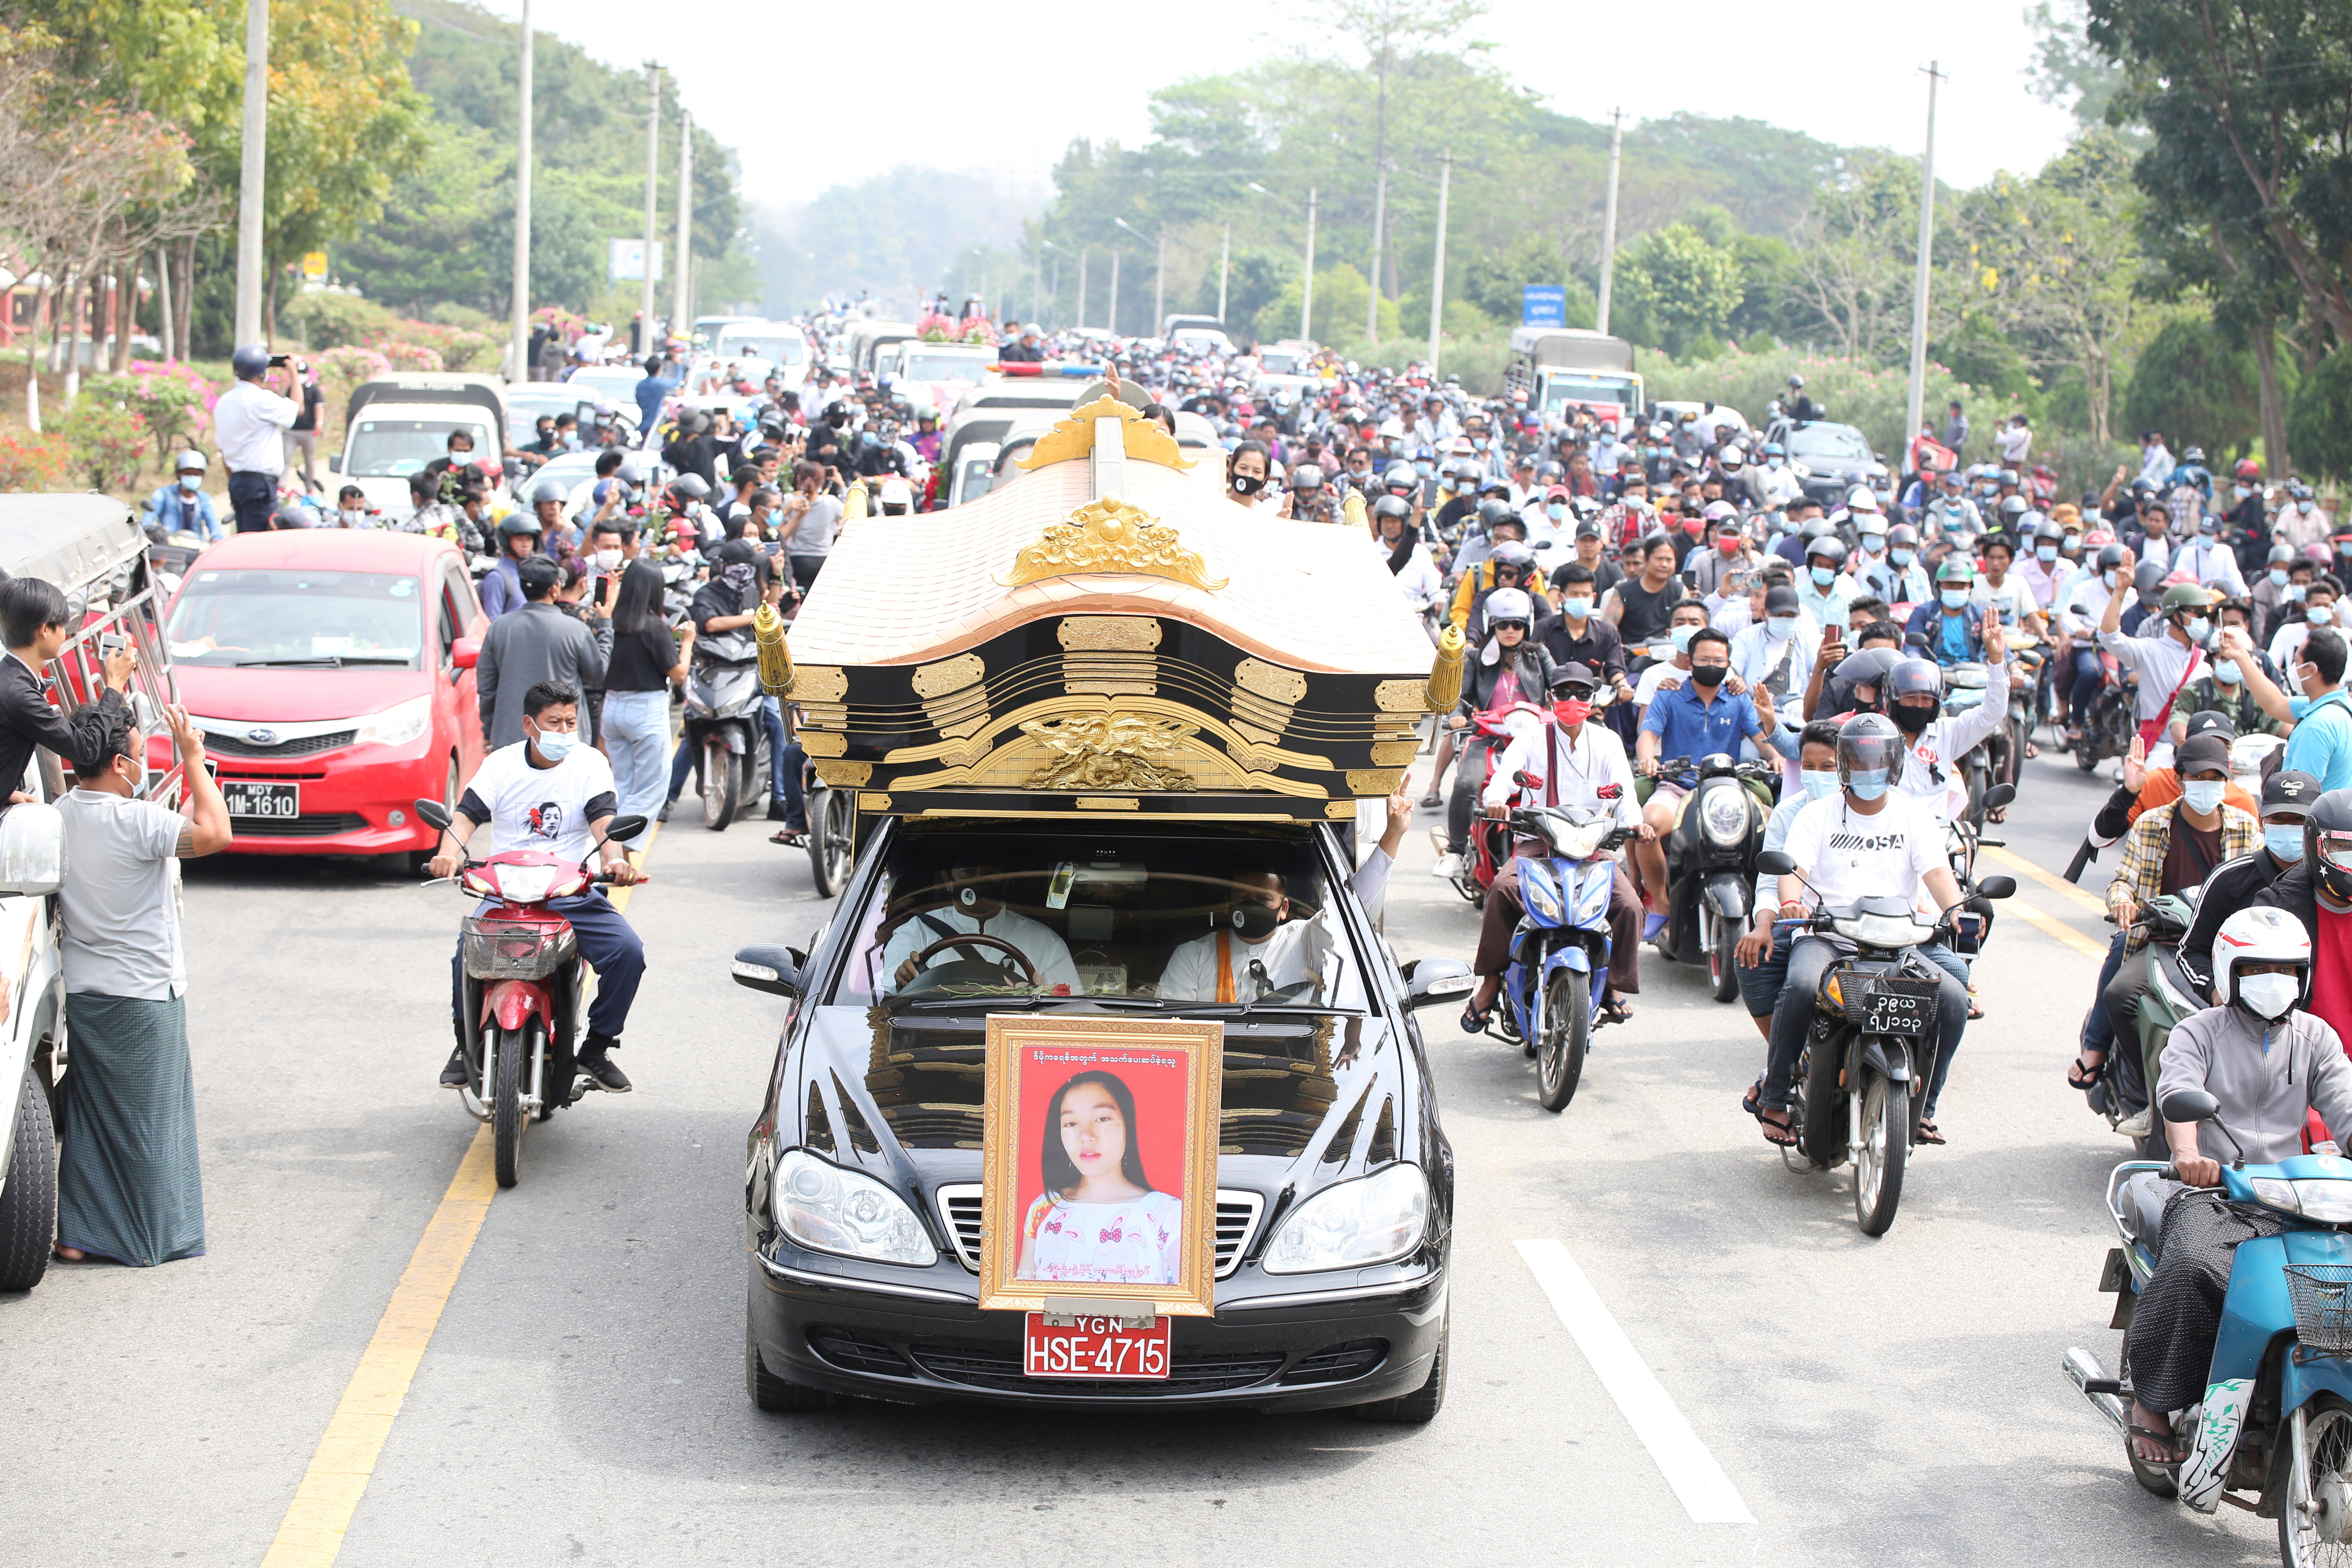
[1999, 795]
[1526, 780]
[1777, 863]
[1998, 886]
[432, 813]
[2190, 1105]
[624, 828]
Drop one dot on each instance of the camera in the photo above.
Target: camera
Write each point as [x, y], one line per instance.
[278, 361]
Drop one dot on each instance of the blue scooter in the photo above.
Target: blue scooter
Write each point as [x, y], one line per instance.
[1558, 967]
[2276, 1419]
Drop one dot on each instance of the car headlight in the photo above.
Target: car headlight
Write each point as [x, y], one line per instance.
[398, 724]
[823, 1206]
[2327, 1200]
[1723, 812]
[1374, 1220]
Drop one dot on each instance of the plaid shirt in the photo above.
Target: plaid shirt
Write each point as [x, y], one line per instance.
[2140, 875]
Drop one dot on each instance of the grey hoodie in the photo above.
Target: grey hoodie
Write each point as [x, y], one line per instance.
[2265, 1077]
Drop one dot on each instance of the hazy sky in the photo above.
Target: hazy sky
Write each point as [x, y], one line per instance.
[1005, 87]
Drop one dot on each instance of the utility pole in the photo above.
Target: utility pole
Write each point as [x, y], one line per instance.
[679, 321]
[1437, 268]
[1159, 286]
[653, 181]
[1225, 271]
[1084, 252]
[1113, 323]
[252, 173]
[1608, 218]
[1380, 221]
[1915, 401]
[519, 334]
[1306, 293]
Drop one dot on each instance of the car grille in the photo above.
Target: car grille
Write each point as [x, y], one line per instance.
[236, 746]
[310, 824]
[997, 1367]
[1237, 1216]
[1339, 1363]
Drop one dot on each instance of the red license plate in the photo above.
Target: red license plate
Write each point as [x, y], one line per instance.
[1095, 1347]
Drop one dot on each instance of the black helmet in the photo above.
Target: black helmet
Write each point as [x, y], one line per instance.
[548, 490]
[2012, 506]
[1869, 744]
[1827, 547]
[2327, 845]
[249, 360]
[2194, 454]
[520, 525]
[1912, 679]
[690, 486]
[1513, 553]
[1393, 506]
[291, 514]
[2049, 534]
[2110, 557]
[1307, 477]
[1902, 534]
[2144, 580]
[1550, 472]
[1492, 512]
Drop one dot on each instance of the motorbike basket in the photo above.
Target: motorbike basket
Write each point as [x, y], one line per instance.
[513, 950]
[1867, 997]
[2321, 1294]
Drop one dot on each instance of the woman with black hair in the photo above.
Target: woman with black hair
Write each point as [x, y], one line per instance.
[1246, 470]
[645, 661]
[1099, 1219]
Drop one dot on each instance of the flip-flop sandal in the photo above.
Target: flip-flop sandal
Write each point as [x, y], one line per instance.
[1614, 1011]
[2081, 1074]
[1927, 1134]
[2033, 750]
[1430, 801]
[1652, 926]
[1752, 1101]
[1474, 1017]
[2173, 1455]
[1780, 1134]
[791, 838]
[1975, 1011]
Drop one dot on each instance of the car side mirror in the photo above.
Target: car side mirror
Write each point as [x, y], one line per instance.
[1998, 886]
[775, 970]
[32, 850]
[1429, 981]
[1777, 863]
[334, 462]
[465, 652]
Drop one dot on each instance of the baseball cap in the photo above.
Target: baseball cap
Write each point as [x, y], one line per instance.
[2211, 721]
[2199, 753]
[2289, 790]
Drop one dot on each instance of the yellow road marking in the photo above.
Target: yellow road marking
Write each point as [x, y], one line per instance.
[2051, 925]
[2050, 879]
[311, 1534]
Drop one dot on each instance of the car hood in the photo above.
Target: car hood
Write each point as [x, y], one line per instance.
[294, 696]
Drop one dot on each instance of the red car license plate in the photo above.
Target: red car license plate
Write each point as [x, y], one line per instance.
[1095, 1346]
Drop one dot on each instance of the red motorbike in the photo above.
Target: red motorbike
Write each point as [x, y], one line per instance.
[519, 1010]
[1488, 848]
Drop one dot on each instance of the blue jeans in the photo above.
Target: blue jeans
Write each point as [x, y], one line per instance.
[636, 736]
[607, 942]
[1792, 1015]
[2087, 677]
[680, 765]
[772, 714]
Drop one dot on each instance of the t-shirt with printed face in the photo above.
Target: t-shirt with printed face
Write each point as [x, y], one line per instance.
[540, 808]
[1847, 856]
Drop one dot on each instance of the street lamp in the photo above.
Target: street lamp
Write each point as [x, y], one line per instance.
[1307, 291]
[1159, 271]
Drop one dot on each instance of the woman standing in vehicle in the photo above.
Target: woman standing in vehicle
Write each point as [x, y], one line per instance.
[1245, 473]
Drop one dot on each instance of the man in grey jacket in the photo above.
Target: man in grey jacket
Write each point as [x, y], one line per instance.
[536, 643]
[2266, 1063]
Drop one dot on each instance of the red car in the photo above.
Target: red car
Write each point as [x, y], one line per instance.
[332, 673]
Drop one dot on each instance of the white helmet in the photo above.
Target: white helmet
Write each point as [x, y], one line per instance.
[1862, 498]
[1509, 604]
[187, 461]
[2263, 935]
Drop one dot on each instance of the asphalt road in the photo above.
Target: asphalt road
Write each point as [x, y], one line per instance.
[1867, 1403]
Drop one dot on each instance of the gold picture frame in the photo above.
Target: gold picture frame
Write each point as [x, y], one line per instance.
[1168, 1071]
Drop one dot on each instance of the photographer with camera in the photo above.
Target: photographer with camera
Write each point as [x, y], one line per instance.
[250, 424]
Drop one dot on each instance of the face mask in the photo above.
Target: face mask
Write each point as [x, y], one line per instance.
[1709, 676]
[1876, 544]
[2320, 614]
[1424, 470]
[2241, 491]
[1479, 442]
[2294, 596]
[1576, 609]
[1824, 575]
[1681, 638]
[353, 517]
[2074, 547]
[607, 560]
[2045, 554]
[2278, 578]
[1572, 710]
[2198, 628]
[1900, 557]
[1254, 921]
[2203, 795]
[1910, 717]
[1247, 484]
[1782, 626]
[2108, 578]
[1819, 785]
[2269, 996]
[2286, 842]
[1954, 598]
[1555, 511]
[192, 482]
[1867, 783]
[2306, 507]
[554, 744]
[2226, 671]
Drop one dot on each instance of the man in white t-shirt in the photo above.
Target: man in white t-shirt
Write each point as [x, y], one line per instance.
[1868, 839]
[552, 791]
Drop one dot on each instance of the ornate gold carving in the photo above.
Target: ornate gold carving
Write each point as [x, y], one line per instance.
[775, 656]
[1445, 674]
[1401, 696]
[1339, 810]
[1111, 673]
[874, 803]
[1269, 681]
[1253, 709]
[1112, 751]
[822, 743]
[1107, 802]
[843, 775]
[949, 675]
[1110, 535]
[820, 683]
[1072, 436]
[1395, 753]
[1130, 634]
[1366, 781]
[853, 504]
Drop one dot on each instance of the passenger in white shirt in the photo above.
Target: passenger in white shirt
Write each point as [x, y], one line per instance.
[249, 423]
[1417, 577]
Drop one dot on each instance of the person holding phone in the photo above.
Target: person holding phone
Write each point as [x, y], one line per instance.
[249, 423]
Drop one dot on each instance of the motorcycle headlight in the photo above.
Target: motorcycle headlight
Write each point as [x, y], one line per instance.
[1883, 930]
[398, 724]
[1540, 898]
[829, 1209]
[527, 884]
[2327, 1200]
[1723, 812]
[1375, 1219]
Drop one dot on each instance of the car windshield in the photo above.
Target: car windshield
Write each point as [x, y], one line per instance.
[615, 386]
[976, 475]
[1829, 441]
[335, 620]
[1278, 365]
[395, 449]
[1562, 388]
[775, 348]
[920, 366]
[967, 918]
[525, 409]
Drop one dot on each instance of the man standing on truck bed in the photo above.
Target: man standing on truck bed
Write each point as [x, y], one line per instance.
[251, 422]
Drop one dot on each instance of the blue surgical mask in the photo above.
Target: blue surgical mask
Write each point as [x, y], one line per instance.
[2199, 628]
[2108, 578]
[1782, 626]
[2320, 614]
[1824, 575]
[1681, 638]
[2045, 554]
[554, 744]
[2278, 578]
[2227, 672]
[1954, 598]
[1424, 470]
[1555, 511]
[192, 482]
[2294, 596]
[1576, 609]
[1867, 783]
[2203, 796]
[1820, 783]
[2286, 842]
[1900, 557]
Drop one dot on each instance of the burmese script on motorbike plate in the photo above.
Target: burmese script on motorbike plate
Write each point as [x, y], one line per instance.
[1890, 1011]
[1095, 1346]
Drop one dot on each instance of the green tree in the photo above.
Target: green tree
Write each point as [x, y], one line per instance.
[2197, 384]
[2319, 423]
[1686, 286]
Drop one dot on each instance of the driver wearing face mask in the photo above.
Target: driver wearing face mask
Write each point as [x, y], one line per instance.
[974, 904]
[1933, 743]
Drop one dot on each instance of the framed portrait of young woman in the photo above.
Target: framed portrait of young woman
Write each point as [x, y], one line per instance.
[1099, 1163]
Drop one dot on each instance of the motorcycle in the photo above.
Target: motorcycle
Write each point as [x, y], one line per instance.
[2108, 729]
[1559, 968]
[2276, 1421]
[832, 831]
[2172, 993]
[1711, 862]
[1964, 688]
[724, 727]
[2027, 657]
[519, 1013]
[1488, 848]
[1870, 1054]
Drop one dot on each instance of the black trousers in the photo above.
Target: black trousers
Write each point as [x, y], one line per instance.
[252, 496]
